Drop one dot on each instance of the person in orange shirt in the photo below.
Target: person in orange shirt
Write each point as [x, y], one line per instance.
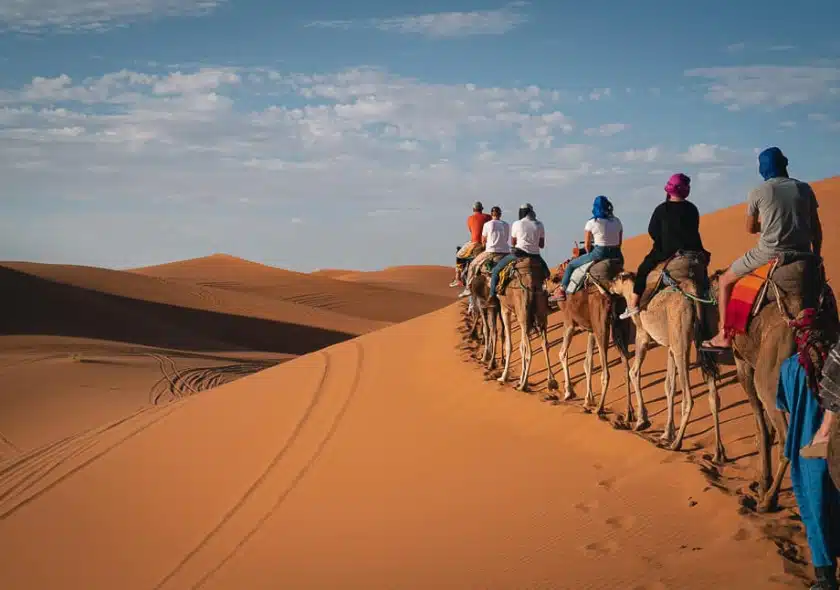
[475, 223]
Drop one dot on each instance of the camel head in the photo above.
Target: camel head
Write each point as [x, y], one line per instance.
[714, 280]
[557, 274]
[622, 284]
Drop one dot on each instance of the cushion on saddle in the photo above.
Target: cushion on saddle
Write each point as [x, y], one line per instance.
[799, 284]
[684, 266]
[600, 272]
[470, 250]
[529, 271]
[745, 295]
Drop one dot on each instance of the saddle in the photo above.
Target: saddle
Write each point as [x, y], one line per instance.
[792, 281]
[682, 267]
[595, 275]
[529, 272]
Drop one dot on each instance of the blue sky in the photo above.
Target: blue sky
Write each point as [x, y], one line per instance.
[357, 134]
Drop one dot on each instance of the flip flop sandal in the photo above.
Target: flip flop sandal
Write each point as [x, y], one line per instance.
[706, 347]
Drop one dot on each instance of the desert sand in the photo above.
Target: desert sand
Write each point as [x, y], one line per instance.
[386, 460]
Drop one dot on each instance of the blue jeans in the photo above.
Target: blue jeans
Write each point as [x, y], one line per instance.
[597, 253]
[494, 275]
[514, 255]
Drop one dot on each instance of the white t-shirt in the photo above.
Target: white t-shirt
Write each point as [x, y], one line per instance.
[497, 233]
[528, 233]
[605, 232]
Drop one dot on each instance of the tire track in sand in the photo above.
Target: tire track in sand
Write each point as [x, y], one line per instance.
[313, 402]
[55, 457]
[351, 394]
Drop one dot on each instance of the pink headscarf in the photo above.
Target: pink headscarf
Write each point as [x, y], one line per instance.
[679, 185]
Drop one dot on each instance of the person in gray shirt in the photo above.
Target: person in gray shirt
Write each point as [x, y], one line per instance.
[783, 211]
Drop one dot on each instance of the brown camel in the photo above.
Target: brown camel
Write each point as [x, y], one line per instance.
[760, 352]
[488, 316]
[525, 298]
[672, 318]
[592, 309]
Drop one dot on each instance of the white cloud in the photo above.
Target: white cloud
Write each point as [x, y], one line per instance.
[650, 154]
[771, 86]
[606, 130]
[702, 153]
[440, 24]
[282, 146]
[788, 124]
[782, 47]
[29, 16]
[736, 47]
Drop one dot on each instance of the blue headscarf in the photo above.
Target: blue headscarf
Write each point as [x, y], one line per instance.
[602, 208]
[772, 163]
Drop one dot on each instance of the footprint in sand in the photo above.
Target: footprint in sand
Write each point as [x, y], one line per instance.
[621, 522]
[586, 507]
[742, 535]
[651, 586]
[607, 484]
[601, 549]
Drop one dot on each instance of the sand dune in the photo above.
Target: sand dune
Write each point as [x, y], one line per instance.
[226, 272]
[431, 280]
[388, 462]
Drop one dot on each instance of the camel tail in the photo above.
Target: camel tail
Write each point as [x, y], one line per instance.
[620, 328]
[707, 360]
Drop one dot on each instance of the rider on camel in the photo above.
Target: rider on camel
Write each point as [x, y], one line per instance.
[603, 234]
[495, 237]
[783, 211]
[674, 227]
[475, 223]
[527, 237]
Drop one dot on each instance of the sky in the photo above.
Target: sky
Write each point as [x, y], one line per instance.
[334, 134]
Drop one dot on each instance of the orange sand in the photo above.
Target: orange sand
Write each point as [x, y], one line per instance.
[388, 462]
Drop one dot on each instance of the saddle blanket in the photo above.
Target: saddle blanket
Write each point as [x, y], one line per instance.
[744, 294]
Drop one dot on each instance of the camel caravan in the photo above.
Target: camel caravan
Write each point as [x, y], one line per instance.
[771, 305]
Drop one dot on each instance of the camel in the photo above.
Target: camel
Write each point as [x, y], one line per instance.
[593, 310]
[488, 316]
[525, 298]
[673, 318]
[759, 354]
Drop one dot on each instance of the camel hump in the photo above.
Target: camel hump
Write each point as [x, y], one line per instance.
[604, 271]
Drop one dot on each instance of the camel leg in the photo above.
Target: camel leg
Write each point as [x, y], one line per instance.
[492, 334]
[589, 399]
[642, 420]
[552, 382]
[670, 390]
[763, 435]
[564, 362]
[525, 351]
[603, 355]
[766, 384]
[714, 405]
[683, 363]
[506, 319]
[631, 413]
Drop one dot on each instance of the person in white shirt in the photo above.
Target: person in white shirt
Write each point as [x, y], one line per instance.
[603, 235]
[495, 237]
[527, 237]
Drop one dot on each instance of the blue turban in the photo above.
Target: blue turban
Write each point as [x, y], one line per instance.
[602, 208]
[772, 163]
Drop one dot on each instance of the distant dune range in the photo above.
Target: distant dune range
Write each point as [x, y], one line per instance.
[376, 456]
